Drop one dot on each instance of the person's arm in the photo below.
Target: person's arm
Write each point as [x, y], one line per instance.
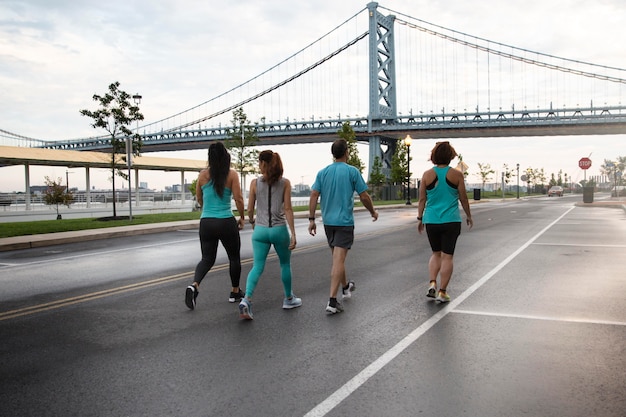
[421, 205]
[202, 179]
[237, 196]
[252, 203]
[312, 207]
[289, 214]
[368, 204]
[463, 197]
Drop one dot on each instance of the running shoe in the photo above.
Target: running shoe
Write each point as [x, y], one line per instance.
[235, 296]
[293, 302]
[191, 293]
[245, 309]
[338, 308]
[432, 290]
[443, 297]
[347, 292]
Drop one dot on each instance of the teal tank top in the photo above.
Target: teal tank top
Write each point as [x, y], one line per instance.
[215, 206]
[442, 201]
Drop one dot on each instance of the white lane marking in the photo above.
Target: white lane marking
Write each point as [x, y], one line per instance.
[591, 245]
[362, 377]
[546, 318]
[104, 252]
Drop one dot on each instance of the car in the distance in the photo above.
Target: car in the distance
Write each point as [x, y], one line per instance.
[555, 190]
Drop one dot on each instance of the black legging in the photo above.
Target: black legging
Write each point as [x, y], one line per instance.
[213, 231]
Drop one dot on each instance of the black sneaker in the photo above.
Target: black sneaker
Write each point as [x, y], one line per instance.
[347, 292]
[236, 296]
[191, 293]
[337, 308]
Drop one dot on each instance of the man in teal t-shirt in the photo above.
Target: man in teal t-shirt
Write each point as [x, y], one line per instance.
[336, 185]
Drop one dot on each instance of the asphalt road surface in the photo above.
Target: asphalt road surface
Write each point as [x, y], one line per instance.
[536, 326]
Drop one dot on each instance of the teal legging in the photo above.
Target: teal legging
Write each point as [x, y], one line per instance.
[262, 239]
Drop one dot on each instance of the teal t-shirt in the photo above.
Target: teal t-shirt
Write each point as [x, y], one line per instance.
[215, 206]
[337, 184]
[442, 201]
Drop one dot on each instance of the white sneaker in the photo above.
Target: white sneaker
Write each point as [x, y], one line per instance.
[347, 292]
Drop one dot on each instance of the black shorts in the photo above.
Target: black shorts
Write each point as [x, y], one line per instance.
[340, 236]
[442, 237]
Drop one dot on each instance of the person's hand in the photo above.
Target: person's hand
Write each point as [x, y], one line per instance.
[241, 223]
[420, 227]
[470, 222]
[375, 216]
[292, 243]
[312, 228]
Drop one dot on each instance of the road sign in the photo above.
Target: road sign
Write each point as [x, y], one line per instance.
[584, 163]
[523, 177]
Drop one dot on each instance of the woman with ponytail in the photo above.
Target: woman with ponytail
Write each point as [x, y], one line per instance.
[271, 193]
[215, 188]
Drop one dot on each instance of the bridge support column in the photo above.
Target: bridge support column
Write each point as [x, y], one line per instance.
[87, 187]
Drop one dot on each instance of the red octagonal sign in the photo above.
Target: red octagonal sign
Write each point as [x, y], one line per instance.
[584, 163]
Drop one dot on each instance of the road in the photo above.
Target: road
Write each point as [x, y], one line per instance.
[536, 326]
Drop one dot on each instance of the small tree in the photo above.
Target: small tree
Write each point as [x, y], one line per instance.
[346, 132]
[241, 140]
[192, 190]
[376, 177]
[399, 163]
[115, 114]
[57, 194]
[484, 170]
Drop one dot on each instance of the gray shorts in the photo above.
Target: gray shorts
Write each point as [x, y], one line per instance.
[340, 236]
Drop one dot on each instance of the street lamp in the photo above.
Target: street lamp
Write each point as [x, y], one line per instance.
[518, 181]
[129, 162]
[407, 142]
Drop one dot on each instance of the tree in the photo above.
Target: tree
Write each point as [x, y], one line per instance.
[115, 114]
[484, 170]
[241, 140]
[346, 132]
[399, 163]
[192, 190]
[376, 177]
[57, 194]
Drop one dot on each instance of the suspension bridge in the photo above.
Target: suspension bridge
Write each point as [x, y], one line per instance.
[390, 75]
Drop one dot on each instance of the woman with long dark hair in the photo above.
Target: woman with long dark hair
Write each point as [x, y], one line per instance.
[215, 188]
[271, 193]
[441, 190]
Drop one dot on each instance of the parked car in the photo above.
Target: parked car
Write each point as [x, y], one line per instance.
[555, 190]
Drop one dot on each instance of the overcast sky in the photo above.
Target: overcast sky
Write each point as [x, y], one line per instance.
[55, 54]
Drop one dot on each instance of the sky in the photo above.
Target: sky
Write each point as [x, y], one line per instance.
[55, 54]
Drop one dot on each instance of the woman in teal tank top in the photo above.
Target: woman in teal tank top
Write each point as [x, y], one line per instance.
[214, 190]
[441, 190]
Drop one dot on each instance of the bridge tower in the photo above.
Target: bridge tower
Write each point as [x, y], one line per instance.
[382, 84]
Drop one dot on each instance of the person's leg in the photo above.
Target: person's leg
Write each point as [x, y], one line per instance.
[232, 244]
[449, 238]
[446, 267]
[434, 266]
[208, 247]
[280, 238]
[260, 249]
[338, 270]
[434, 233]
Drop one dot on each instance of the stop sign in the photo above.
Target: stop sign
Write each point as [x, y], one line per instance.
[584, 163]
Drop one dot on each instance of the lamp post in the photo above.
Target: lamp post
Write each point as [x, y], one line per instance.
[407, 142]
[518, 181]
[129, 162]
